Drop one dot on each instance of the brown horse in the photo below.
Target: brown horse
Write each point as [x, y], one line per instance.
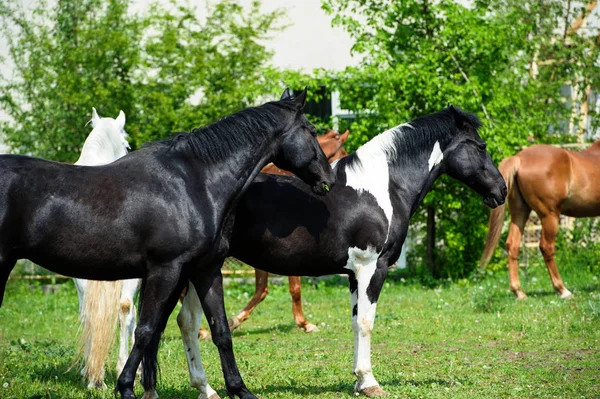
[332, 144]
[551, 181]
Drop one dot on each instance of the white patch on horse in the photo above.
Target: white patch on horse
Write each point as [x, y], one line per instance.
[372, 172]
[363, 263]
[436, 155]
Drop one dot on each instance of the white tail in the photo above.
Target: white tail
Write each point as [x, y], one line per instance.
[99, 322]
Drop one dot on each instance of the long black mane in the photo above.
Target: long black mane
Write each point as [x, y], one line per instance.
[412, 138]
[245, 129]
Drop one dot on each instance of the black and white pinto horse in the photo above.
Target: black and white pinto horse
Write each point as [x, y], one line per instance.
[164, 213]
[359, 228]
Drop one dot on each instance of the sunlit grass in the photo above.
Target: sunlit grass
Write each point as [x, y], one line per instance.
[463, 339]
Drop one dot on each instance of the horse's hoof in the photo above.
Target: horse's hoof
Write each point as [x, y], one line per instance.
[128, 395]
[234, 323]
[309, 328]
[97, 385]
[520, 296]
[566, 294]
[150, 395]
[214, 396]
[203, 334]
[373, 392]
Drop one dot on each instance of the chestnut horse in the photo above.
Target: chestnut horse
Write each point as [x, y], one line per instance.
[550, 181]
[332, 144]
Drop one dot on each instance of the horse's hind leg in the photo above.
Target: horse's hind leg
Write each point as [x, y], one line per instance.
[160, 295]
[296, 293]
[6, 265]
[547, 247]
[210, 292]
[261, 279]
[519, 213]
[188, 320]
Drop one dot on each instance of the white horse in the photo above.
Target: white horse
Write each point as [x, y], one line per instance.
[101, 301]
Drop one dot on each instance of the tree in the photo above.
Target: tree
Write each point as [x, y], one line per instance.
[166, 69]
[421, 55]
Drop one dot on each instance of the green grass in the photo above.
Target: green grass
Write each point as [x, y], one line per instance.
[460, 340]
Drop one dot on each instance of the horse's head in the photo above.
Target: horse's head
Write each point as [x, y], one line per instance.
[332, 144]
[299, 151]
[466, 159]
[113, 130]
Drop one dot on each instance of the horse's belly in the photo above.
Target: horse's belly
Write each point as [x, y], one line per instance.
[89, 264]
[581, 207]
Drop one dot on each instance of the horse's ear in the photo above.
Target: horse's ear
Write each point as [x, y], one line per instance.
[286, 94]
[121, 119]
[459, 119]
[95, 117]
[301, 99]
[344, 136]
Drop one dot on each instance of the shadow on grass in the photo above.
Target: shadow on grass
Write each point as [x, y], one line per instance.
[280, 328]
[305, 389]
[575, 289]
[346, 387]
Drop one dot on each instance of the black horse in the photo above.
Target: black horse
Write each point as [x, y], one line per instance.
[360, 227]
[164, 213]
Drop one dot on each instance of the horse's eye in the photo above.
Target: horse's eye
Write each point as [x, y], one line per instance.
[482, 146]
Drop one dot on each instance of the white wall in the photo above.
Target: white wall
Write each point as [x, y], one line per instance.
[309, 41]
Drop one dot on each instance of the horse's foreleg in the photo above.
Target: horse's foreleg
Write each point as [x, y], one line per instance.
[160, 295]
[261, 290]
[547, 247]
[126, 320]
[519, 213]
[210, 292]
[365, 287]
[296, 293]
[188, 320]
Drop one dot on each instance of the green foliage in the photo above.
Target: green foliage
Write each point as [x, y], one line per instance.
[419, 56]
[167, 69]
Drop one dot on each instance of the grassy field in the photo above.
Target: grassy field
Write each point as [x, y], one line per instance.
[463, 339]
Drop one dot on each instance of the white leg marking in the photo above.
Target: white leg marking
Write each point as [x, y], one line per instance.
[188, 319]
[363, 264]
[80, 285]
[126, 320]
[436, 155]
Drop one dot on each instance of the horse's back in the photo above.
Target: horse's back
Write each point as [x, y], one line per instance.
[555, 180]
[61, 215]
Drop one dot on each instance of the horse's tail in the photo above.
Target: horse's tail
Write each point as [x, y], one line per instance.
[99, 314]
[508, 168]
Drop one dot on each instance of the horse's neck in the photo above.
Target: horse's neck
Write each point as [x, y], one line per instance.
[411, 180]
[230, 182]
[100, 148]
[397, 177]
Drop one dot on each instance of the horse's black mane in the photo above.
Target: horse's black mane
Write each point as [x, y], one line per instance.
[428, 129]
[418, 135]
[245, 129]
